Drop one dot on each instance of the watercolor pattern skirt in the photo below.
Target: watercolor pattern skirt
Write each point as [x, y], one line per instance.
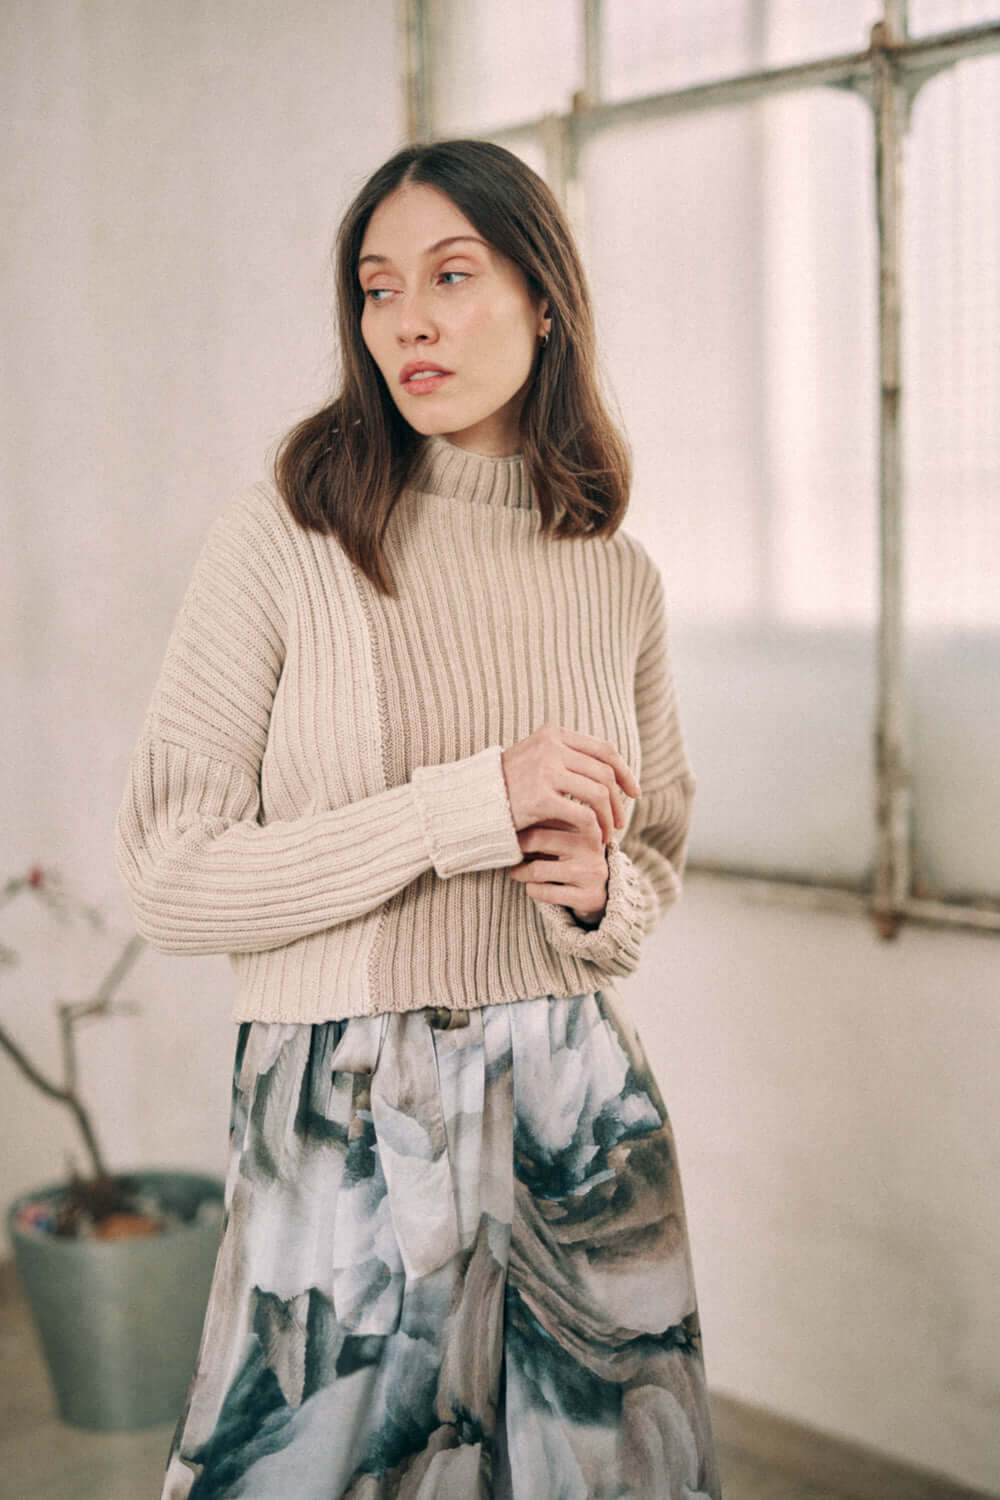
[454, 1267]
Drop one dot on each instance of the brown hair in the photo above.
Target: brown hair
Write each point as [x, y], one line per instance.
[342, 469]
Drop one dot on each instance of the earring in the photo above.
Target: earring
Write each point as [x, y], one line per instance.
[545, 339]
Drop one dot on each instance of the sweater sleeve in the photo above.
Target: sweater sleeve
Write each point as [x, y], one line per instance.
[645, 864]
[203, 873]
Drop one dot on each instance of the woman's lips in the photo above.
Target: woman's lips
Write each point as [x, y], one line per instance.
[420, 385]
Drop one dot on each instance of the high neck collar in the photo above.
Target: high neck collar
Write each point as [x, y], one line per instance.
[445, 469]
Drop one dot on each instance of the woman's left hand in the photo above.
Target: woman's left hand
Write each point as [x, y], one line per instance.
[564, 866]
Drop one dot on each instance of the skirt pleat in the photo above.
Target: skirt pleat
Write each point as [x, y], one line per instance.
[454, 1266]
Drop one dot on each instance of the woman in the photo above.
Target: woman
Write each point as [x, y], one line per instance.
[390, 767]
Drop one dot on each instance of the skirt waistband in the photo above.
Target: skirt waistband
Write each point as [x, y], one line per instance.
[443, 1019]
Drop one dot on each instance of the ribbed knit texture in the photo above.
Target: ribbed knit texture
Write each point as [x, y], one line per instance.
[318, 790]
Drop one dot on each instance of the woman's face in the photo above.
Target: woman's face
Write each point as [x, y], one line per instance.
[438, 298]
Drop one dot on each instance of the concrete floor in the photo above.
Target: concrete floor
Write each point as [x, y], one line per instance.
[41, 1458]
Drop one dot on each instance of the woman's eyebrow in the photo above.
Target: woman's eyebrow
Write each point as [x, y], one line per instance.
[431, 249]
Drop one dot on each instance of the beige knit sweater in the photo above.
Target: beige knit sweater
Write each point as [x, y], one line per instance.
[317, 790]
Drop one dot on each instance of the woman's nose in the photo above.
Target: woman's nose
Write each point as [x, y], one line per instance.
[415, 321]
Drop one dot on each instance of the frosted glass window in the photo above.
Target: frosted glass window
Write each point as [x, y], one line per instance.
[649, 46]
[732, 257]
[926, 16]
[951, 418]
[496, 65]
[531, 151]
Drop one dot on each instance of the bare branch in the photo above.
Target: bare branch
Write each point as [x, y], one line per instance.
[70, 1014]
[99, 1003]
[28, 1068]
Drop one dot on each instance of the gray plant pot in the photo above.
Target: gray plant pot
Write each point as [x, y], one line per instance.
[120, 1321]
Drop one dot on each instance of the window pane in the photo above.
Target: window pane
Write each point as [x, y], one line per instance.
[495, 65]
[732, 258]
[925, 16]
[649, 46]
[529, 148]
[951, 416]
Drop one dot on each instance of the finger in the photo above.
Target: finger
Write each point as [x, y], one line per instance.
[550, 871]
[556, 825]
[583, 872]
[556, 895]
[572, 896]
[599, 771]
[596, 795]
[604, 750]
[577, 840]
[536, 873]
[551, 841]
[577, 813]
[548, 864]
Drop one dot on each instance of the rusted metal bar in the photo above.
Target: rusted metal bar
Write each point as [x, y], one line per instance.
[411, 29]
[981, 916]
[948, 46]
[736, 90]
[555, 138]
[593, 48]
[892, 863]
[853, 69]
[897, 21]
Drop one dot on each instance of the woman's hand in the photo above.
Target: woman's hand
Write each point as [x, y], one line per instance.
[556, 776]
[565, 867]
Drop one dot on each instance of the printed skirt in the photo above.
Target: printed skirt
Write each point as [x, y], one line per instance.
[454, 1266]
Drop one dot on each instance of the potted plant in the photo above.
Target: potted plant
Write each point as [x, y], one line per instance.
[116, 1267]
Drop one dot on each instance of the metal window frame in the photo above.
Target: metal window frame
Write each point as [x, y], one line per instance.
[888, 74]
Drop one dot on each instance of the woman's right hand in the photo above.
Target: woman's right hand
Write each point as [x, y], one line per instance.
[553, 766]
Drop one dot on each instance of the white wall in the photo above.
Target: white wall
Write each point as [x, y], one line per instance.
[176, 174]
[834, 1099]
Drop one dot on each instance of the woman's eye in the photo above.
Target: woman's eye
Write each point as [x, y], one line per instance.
[381, 294]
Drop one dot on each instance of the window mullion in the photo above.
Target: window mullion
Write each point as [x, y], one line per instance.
[415, 51]
[893, 862]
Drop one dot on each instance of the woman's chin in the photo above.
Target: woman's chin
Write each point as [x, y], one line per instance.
[425, 420]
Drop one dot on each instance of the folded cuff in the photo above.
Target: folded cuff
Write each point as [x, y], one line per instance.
[613, 945]
[465, 814]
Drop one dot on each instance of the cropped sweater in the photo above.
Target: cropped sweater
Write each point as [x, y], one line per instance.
[317, 789]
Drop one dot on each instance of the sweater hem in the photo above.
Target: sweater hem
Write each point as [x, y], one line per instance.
[268, 1013]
